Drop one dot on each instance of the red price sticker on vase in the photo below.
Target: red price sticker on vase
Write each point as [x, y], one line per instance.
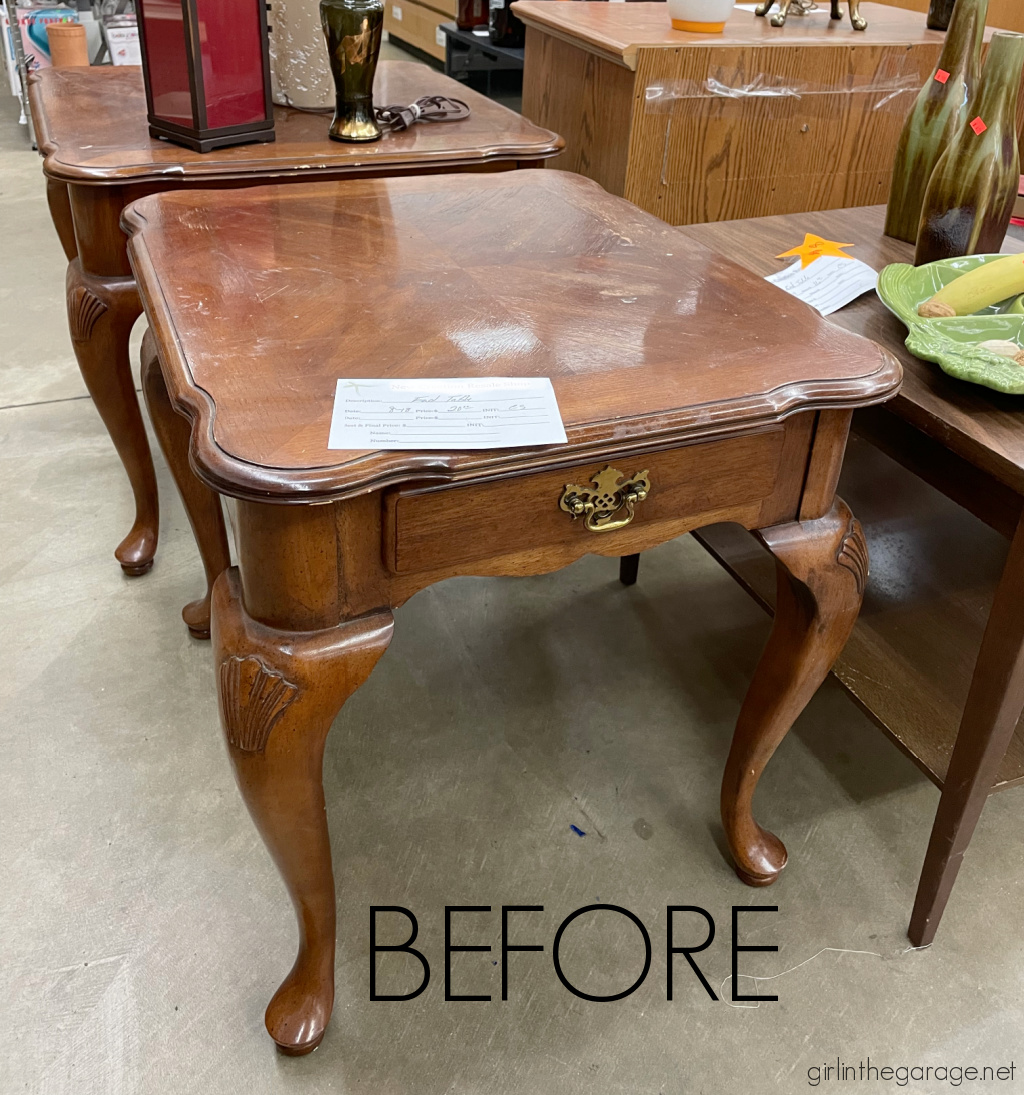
[978, 126]
[942, 76]
[824, 275]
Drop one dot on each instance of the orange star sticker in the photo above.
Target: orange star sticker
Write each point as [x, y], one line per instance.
[814, 247]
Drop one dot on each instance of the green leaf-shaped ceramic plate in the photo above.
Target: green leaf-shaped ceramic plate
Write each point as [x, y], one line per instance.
[953, 344]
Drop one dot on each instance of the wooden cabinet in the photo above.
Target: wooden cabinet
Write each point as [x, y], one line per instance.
[757, 121]
[419, 24]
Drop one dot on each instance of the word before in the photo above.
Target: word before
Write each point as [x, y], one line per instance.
[674, 947]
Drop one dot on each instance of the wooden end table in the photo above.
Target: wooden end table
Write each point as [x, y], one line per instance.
[732, 399]
[946, 686]
[92, 129]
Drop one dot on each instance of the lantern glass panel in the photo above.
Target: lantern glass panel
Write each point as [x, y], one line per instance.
[164, 30]
[231, 42]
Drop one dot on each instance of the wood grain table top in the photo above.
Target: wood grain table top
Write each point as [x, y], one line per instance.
[262, 298]
[92, 128]
[984, 427]
[618, 31]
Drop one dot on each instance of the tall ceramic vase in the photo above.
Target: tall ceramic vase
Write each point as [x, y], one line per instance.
[298, 60]
[970, 197]
[353, 31]
[940, 110]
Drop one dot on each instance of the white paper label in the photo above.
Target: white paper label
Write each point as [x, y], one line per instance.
[396, 12]
[440, 38]
[460, 413]
[828, 283]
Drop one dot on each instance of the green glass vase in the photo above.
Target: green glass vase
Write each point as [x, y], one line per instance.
[940, 110]
[353, 32]
[970, 197]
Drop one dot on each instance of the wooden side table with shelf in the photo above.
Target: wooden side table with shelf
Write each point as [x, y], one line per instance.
[937, 656]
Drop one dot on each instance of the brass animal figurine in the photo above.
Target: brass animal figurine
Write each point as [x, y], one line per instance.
[803, 6]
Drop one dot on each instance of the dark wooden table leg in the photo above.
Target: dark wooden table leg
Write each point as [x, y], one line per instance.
[279, 693]
[59, 202]
[629, 567]
[202, 505]
[822, 567]
[994, 706]
[101, 313]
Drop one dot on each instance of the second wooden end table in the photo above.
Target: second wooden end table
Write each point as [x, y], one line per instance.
[92, 129]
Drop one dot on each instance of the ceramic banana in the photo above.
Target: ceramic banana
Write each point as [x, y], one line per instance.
[979, 288]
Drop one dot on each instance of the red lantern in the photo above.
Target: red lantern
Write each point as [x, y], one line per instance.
[207, 71]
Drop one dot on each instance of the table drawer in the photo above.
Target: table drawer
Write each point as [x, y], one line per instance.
[434, 527]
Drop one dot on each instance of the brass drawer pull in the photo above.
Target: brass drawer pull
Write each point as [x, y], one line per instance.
[598, 507]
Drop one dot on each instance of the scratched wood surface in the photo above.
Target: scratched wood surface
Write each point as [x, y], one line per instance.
[981, 427]
[92, 130]
[413, 275]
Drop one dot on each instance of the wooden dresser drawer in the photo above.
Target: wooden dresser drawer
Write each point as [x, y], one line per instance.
[417, 24]
[728, 480]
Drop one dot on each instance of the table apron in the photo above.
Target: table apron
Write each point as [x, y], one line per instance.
[751, 478]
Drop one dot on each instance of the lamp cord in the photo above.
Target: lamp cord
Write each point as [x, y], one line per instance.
[431, 108]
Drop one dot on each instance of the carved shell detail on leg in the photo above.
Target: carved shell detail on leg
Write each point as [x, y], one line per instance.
[253, 699]
[84, 311]
[853, 554]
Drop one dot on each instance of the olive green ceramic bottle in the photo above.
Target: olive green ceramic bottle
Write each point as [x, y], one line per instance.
[970, 197]
[940, 110]
[353, 31]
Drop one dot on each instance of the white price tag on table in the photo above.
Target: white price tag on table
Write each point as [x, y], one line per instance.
[467, 413]
[823, 276]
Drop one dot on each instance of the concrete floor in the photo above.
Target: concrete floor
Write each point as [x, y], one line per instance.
[144, 927]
